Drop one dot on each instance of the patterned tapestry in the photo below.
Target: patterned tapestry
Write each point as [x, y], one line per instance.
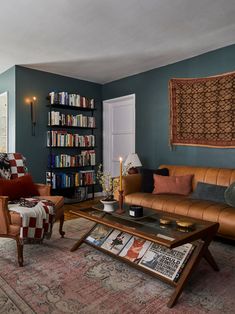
[202, 111]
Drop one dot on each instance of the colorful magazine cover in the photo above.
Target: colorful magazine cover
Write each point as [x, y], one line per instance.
[135, 249]
[99, 234]
[164, 261]
[116, 241]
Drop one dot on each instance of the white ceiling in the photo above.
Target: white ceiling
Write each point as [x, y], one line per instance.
[104, 40]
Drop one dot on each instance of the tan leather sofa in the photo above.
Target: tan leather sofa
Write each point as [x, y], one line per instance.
[183, 205]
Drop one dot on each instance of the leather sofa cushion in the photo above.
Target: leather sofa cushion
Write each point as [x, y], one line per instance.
[181, 185]
[17, 188]
[147, 181]
[209, 192]
[183, 205]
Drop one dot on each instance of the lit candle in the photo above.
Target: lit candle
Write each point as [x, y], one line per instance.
[120, 186]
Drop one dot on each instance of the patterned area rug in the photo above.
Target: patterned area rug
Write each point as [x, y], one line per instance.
[54, 280]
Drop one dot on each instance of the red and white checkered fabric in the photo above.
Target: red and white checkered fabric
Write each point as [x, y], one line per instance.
[17, 165]
[36, 221]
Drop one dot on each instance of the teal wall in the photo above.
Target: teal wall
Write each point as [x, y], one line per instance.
[37, 83]
[152, 110]
[7, 84]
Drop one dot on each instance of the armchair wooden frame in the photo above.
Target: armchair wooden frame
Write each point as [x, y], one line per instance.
[9, 230]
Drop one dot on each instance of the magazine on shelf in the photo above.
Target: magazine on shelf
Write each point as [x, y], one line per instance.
[99, 234]
[135, 249]
[168, 263]
[116, 241]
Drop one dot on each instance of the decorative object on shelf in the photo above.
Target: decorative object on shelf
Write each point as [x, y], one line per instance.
[229, 195]
[107, 183]
[165, 221]
[32, 101]
[120, 209]
[136, 211]
[108, 205]
[132, 162]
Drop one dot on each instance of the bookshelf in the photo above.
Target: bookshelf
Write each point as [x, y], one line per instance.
[71, 143]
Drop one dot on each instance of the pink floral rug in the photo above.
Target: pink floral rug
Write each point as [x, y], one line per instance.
[54, 280]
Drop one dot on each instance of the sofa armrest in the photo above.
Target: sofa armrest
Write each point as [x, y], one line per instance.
[4, 215]
[130, 183]
[43, 189]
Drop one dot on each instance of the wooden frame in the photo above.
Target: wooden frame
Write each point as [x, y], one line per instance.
[201, 240]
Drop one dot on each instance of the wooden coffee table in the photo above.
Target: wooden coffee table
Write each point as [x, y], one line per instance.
[150, 228]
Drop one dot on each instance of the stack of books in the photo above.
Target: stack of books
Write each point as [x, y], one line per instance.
[69, 180]
[57, 118]
[65, 139]
[85, 158]
[74, 100]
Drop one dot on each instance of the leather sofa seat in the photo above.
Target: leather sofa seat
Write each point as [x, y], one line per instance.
[183, 205]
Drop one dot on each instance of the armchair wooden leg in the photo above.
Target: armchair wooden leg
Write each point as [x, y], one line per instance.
[62, 233]
[20, 248]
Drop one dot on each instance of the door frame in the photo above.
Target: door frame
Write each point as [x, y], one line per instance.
[7, 119]
[107, 126]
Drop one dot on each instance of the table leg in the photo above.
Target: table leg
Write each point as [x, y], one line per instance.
[192, 263]
[80, 241]
[62, 233]
[210, 259]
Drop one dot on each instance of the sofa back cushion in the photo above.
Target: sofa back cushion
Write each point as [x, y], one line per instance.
[209, 192]
[147, 185]
[181, 185]
[218, 176]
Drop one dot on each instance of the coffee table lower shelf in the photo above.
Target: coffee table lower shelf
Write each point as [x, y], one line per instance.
[200, 251]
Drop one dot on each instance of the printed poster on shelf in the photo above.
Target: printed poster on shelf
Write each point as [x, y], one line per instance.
[135, 249]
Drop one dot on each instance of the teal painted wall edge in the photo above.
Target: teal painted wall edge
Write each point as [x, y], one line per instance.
[152, 110]
[31, 82]
[7, 84]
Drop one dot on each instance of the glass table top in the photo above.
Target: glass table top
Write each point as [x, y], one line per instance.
[160, 227]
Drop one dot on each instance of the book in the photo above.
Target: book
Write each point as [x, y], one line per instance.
[166, 262]
[116, 241]
[99, 234]
[135, 249]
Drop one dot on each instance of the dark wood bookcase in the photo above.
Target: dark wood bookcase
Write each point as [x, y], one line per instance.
[68, 173]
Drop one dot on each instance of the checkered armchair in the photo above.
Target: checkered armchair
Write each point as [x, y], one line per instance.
[12, 166]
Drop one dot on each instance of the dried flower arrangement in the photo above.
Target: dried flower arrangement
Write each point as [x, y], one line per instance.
[108, 183]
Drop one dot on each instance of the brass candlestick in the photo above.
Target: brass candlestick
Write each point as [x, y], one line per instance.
[120, 209]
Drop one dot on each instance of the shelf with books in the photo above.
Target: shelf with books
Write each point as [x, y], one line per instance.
[67, 173]
[68, 107]
[70, 127]
[57, 118]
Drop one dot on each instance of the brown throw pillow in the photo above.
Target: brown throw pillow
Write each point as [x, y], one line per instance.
[181, 185]
[17, 188]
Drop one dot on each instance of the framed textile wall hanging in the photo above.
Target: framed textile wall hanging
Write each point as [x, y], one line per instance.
[202, 111]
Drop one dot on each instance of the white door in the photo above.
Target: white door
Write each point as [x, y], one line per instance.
[3, 123]
[118, 131]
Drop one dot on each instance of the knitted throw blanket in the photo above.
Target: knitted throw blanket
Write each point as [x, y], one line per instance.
[37, 218]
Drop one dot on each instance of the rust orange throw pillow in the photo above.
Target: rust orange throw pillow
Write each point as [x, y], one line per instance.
[173, 184]
[19, 187]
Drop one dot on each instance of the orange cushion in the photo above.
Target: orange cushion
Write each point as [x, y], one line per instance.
[181, 185]
[17, 188]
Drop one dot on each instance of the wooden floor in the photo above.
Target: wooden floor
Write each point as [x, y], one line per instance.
[68, 207]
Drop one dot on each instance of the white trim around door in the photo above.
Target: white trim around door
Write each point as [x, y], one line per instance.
[118, 131]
